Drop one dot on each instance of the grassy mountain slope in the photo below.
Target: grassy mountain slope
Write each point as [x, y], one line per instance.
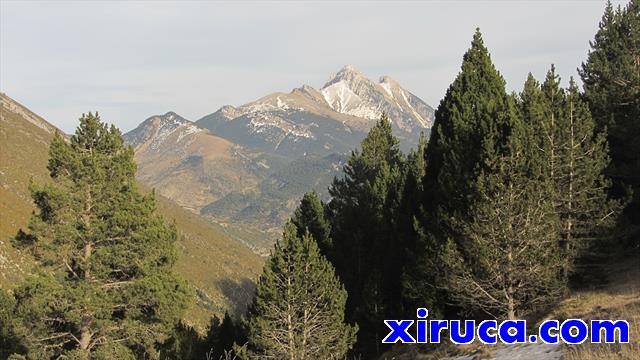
[24, 139]
[220, 269]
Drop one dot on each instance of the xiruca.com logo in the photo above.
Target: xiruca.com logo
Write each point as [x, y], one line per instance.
[570, 331]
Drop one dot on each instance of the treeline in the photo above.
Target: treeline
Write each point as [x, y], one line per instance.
[512, 199]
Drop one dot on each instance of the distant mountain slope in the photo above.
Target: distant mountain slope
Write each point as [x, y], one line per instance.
[188, 164]
[277, 195]
[241, 188]
[222, 270]
[288, 132]
[246, 167]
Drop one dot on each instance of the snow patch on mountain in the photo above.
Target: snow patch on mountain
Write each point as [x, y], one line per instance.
[188, 130]
[169, 124]
[387, 88]
[160, 128]
[278, 128]
[342, 99]
[350, 92]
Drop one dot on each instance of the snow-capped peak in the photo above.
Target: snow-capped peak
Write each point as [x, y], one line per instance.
[348, 74]
[351, 92]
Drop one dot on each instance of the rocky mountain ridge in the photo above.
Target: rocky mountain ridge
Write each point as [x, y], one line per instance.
[331, 119]
[247, 166]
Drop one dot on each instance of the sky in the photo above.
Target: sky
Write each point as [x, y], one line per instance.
[131, 60]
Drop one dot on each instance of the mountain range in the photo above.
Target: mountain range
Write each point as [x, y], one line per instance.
[332, 119]
[246, 167]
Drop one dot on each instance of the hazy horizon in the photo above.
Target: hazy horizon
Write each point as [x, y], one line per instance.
[129, 61]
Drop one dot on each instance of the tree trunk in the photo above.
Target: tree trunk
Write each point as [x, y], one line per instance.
[511, 311]
[292, 348]
[85, 342]
[88, 248]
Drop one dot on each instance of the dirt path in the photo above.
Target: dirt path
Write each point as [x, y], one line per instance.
[519, 352]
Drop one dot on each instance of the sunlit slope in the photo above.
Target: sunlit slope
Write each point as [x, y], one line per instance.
[24, 138]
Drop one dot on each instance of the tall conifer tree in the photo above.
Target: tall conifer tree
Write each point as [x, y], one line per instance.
[367, 252]
[412, 190]
[106, 287]
[470, 130]
[298, 311]
[310, 216]
[571, 155]
[471, 124]
[505, 262]
[611, 78]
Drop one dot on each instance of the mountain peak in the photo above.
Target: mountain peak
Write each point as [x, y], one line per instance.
[351, 92]
[159, 127]
[349, 69]
[172, 117]
[347, 73]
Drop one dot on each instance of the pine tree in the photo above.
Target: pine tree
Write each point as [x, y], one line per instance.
[412, 190]
[298, 309]
[611, 78]
[571, 155]
[10, 341]
[470, 125]
[221, 337]
[367, 253]
[470, 130]
[410, 231]
[536, 110]
[584, 209]
[310, 216]
[508, 263]
[184, 343]
[106, 287]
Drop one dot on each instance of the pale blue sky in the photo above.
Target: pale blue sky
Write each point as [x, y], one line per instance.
[130, 60]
